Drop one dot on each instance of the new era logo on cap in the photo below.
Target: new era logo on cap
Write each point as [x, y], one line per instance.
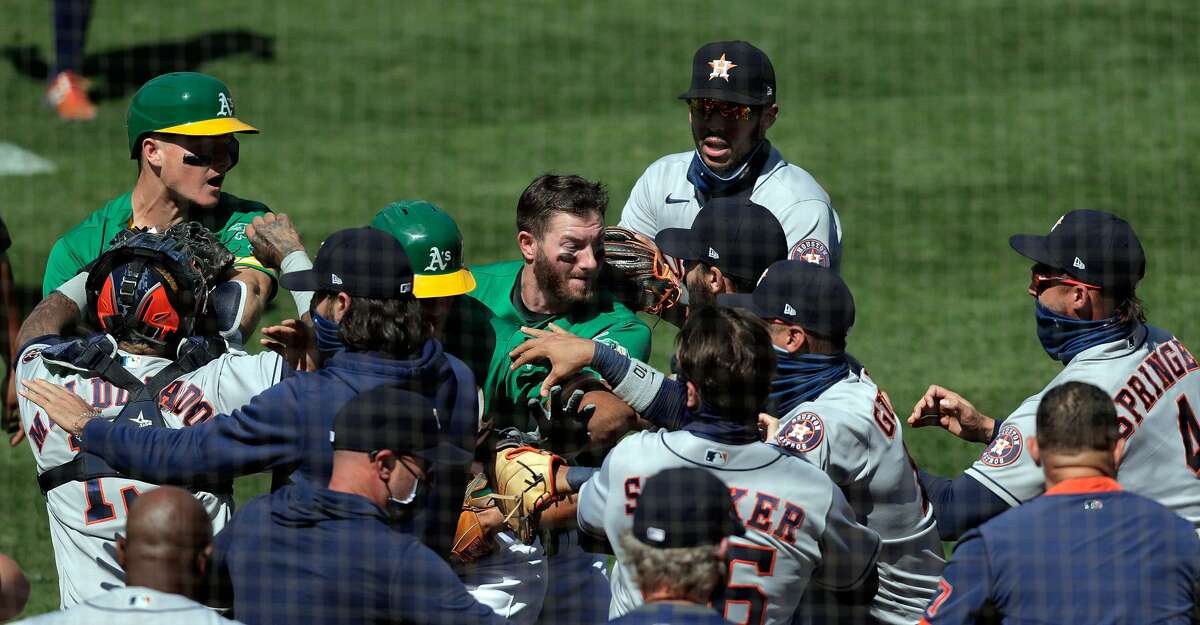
[788, 310]
[1078, 264]
[335, 279]
[713, 253]
[657, 534]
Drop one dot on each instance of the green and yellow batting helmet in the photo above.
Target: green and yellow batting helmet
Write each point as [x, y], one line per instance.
[182, 103]
[434, 246]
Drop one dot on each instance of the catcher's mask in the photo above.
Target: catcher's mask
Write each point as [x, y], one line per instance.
[147, 289]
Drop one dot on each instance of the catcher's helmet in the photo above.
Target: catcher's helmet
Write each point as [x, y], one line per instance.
[147, 288]
[182, 103]
[434, 246]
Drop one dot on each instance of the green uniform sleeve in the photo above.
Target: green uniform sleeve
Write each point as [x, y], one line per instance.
[233, 233]
[62, 265]
[632, 338]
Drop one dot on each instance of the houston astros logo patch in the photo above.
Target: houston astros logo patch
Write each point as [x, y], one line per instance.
[1005, 449]
[803, 433]
[811, 251]
[721, 68]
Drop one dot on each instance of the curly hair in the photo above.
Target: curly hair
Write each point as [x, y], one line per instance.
[685, 572]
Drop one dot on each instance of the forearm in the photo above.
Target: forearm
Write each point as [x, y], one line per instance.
[8, 307]
[660, 400]
[258, 293]
[959, 504]
[49, 317]
[560, 515]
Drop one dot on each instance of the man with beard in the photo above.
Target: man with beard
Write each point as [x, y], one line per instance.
[560, 219]
[731, 106]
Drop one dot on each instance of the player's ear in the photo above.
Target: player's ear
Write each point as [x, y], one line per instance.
[151, 153]
[769, 115]
[1035, 454]
[341, 303]
[797, 339]
[693, 396]
[528, 244]
[716, 281]
[1118, 452]
[203, 558]
[385, 462]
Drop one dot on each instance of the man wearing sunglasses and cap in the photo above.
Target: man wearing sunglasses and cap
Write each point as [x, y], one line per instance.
[334, 553]
[1084, 283]
[731, 105]
[181, 129]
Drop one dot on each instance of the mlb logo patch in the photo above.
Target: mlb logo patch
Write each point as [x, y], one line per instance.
[719, 457]
[30, 355]
[803, 433]
[1006, 449]
[811, 251]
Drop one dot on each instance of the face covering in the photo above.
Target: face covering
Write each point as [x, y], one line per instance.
[803, 377]
[708, 181]
[398, 508]
[1063, 338]
[328, 334]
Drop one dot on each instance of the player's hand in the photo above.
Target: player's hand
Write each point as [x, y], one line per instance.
[12, 413]
[568, 354]
[272, 237]
[293, 340]
[768, 427]
[65, 409]
[945, 408]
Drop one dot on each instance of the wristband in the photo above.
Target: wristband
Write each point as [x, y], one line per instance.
[640, 385]
[293, 262]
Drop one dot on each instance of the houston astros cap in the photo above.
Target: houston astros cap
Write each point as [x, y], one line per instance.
[362, 262]
[737, 236]
[392, 417]
[810, 296]
[733, 71]
[1095, 247]
[684, 508]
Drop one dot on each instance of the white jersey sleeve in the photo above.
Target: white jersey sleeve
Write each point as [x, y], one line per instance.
[639, 212]
[1005, 467]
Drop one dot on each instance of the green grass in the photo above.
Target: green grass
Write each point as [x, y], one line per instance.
[938, 128]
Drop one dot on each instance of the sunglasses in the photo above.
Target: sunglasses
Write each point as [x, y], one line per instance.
[704, 107]
[1044, 277]
[230, 148]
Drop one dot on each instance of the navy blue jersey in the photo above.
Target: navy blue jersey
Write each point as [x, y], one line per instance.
[671, 614]
[1086, 552]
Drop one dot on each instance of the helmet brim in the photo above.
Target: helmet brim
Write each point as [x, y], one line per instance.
[459, 282]
[210, 127]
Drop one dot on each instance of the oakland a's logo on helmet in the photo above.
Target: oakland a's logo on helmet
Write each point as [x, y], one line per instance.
[439, 260]
[226, 104]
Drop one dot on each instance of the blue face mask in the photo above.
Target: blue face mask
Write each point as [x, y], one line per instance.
[709, 181]
[803, 377]
[328, 333]
[1064, 338]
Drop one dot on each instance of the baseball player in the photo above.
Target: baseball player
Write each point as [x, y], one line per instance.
[181, 129]
[165, 557]
[800, 529]
[147, 296]
[1089, 318]
[731, 105]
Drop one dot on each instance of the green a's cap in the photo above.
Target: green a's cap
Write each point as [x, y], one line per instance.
[434, 246]
[182, 103]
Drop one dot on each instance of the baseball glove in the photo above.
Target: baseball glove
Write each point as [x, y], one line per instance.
[471, 542]
[525, 486]
[639, 274]
[213, 259]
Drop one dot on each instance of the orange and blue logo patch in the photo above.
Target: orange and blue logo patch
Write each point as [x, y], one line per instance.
[1005, 449]
[811, 251]
[804, 433]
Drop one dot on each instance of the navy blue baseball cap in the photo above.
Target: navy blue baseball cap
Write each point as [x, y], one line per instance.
[362, 262]
[392, 417]
[737, 236]
[793, 291]
[1091, 246]
[732, 71]
[685, 507]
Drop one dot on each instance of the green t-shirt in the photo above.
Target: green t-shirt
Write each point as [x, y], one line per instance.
[85, 242]
[485, 326]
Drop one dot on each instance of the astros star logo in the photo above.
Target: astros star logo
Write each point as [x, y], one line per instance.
[721, 68]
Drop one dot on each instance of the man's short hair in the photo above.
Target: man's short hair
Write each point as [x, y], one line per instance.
[554, 193]
[686, 571]
[727, 353]
[391, 326]
[1075, 417]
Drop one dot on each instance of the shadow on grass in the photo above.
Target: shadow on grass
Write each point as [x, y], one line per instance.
[118, 73]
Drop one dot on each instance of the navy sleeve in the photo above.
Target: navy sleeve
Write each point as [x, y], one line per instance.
[959, 504]
[667, 409]
[425, 590]
[965, 590]
[259, 436]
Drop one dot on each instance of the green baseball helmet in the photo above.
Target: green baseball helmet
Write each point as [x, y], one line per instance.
[434, 246]
[182, 103]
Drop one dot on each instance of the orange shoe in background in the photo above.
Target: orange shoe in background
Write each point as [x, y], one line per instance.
[67, 95]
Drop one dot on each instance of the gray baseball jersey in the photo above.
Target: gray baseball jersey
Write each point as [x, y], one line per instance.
[664, 198]
[86, 516]
[1153, 382]
[799, 526]
[133, 606]
[851, 433]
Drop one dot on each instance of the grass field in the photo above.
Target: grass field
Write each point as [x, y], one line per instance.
[938, 128]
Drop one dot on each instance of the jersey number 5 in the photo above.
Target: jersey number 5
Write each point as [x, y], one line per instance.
[763, 561]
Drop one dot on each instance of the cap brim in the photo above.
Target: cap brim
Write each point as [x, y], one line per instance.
[741, 300]
[676, 242]
[210, 127]
[306, 280]
[1033, 247]
[445, 453]
[459, 282]
[724, 95]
